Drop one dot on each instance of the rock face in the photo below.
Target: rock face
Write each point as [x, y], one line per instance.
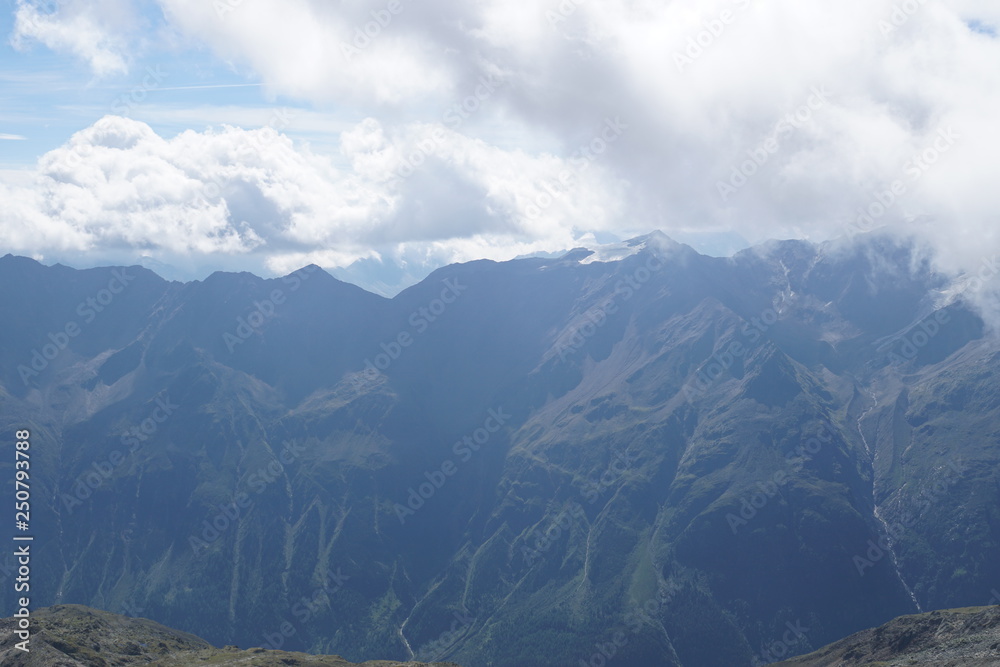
[78, 636]
[967, 637]
[656, 458]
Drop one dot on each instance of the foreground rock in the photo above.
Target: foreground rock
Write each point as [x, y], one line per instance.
[74, 635]
[967, 637]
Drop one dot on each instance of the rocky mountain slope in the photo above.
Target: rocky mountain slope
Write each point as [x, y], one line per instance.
[77, 636]
[952, 638]
[656, 456]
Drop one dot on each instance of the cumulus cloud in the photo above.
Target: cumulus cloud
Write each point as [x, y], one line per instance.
[422, 195]
[487, 129]
[700, 84]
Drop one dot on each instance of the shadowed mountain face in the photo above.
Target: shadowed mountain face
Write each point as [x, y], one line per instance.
[665, 459]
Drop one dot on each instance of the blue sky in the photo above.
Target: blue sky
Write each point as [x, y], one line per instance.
[46, 96]
[383, 139]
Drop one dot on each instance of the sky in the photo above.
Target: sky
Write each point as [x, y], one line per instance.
[381, 139]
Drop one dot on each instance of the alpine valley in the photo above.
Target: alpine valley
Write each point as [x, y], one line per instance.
[632, 454]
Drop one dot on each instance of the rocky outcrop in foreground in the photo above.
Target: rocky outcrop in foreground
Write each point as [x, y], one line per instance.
[967, 637]
[73, 635]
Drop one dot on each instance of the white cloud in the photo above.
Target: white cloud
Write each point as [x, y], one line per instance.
[118, 188]
[896, 72]
[298, 48]
[701, 87]
[92, 30]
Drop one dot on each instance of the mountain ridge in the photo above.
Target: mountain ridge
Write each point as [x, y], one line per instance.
[652, 404]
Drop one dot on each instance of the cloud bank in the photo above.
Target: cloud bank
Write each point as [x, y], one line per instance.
[495, 129]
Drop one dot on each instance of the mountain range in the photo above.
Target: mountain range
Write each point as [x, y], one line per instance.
[633, 454]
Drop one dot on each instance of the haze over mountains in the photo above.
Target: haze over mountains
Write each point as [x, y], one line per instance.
[637, 454]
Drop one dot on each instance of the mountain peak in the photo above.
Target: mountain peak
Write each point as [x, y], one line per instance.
[615, 252]
[655, 236]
